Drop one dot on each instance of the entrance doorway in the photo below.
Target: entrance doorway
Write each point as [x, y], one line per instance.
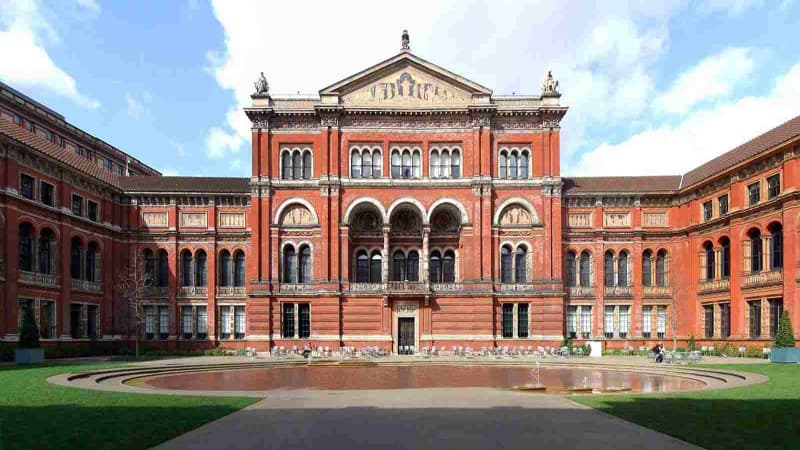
[405, 336]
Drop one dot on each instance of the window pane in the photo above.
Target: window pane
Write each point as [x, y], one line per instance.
[520, 266]
[412, 266]
[646, 268]
[455, 165]
[435, 267]
[307, 165]
[434, 166]
[508, 320]
[377, 164]
[286, 166]
[522, 320]
[376, 268]
[399, 266]
[449, 267]
[304, 310]
[396, 166]
[305, 265]
[287, 326]
[289, 265]
[297, 166]
[523, 165]
[416, 164]
[362, 267]
[366, 165]
[502, 165]
[505, 265]
[512, 165]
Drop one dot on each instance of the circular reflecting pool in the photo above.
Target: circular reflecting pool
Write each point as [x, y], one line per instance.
[558, 379]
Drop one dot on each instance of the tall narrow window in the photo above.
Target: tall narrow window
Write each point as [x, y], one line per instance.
[304, 312]
[27, 186]
[708, 313]
[377, 164]
[710, 257]
[586, 269]
[505, 265]
[609, 322]
[416, 164]
[722, 204]
[362, 267]
[305, 264]
[289, 265]
[776, 246]
[520, 265]
[647, 266]
[608, 269]
[586, 322]
[225, 268]
[755, 318]
[523, 165]
[396, 165]
[444, 168]
[513, 165]
[775, 310]
[226, 322]
[239, 268]
[622, 269]
[412, 266]
[200, 268]
[725, 253]
[449, 267]
[239, 322]
[624, 321]
[434, 166]
[366, 164]
[186, 268]
[724, 320]
[297, 165]
[307, 165]
[436, 267]
[375, 267]
[406, 164]
[661, 322]
[75, 258]
[93, 262]
[187, 325]
[355, 164]
[163, 268]
[502, 165]
[508, 320]
[773, 186]
[661, 268]
[201, 323]
[647, 321]
[570, 269]
[522, 320]
[286, 166]
[150, 267]
[287, 320]
[753, 193]
[398, 266]
[756, 251]
[572, 322]
[455, 164]
[47, 251]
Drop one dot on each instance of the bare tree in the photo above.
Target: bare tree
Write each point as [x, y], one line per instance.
[675, 289]
[133, 283]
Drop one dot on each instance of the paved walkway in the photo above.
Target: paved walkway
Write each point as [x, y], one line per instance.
[420, 419]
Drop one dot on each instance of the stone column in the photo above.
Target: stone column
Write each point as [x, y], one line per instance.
[766, 252]
[426, 231]
[717, 264]
[385, 268]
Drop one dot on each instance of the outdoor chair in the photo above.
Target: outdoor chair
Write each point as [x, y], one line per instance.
[564, 351]
[742, 351]
[695, 357]
[704, 349]
[766, 351]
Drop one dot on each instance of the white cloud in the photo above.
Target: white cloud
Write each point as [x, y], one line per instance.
[732, 8]
[25, 62]
[700, 136]
[714, 77]
[170, 172]
[136, 108]
[604, 66]
[180, 150]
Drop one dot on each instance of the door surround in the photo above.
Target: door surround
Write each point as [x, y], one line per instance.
[405, 308]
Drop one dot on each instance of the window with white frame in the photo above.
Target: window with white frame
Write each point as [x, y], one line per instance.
[445, 162]
[609, 322]
[513, 163]
[296, 163]
[572, 321]
[296, 320]
[47, 193]
[624, 321]
[514, 264]
[27, 186]
[406, 162]
[661, 322]
[586, 322]
[232, 322]
[647, 321]
[201, 321]
[366, 161]
[515, 320]
[156, 322]
[187, 322]
[44, 315]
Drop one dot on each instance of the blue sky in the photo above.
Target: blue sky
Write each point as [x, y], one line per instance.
[652, 87]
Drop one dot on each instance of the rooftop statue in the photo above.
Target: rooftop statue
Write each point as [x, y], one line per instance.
[405, 41]
[262, 87]
[550, 86]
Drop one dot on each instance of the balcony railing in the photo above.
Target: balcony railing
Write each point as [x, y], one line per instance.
[711, 286]
[757, 279]
[39, 279]
[193, 291]
[446, 287]
[655, 291]
[581, 291]
[155, 291]
[296, 287]
[85, 286]
[366, 287]
[618, 291]
[516, 287]
[231, 291]
[406, 286]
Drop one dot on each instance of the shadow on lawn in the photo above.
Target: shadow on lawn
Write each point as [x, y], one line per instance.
[749, 423]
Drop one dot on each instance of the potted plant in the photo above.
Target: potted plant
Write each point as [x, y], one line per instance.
[784, 350]
[28, 350]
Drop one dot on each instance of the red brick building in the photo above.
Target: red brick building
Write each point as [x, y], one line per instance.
[402, 207]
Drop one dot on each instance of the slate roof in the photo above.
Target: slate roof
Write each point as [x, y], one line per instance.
[211, 185]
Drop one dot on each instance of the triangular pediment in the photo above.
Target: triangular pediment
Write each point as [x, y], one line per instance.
[405, 81]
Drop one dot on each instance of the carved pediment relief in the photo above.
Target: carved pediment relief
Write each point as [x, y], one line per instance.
[516, 216]
[297, 215]
[408, 87]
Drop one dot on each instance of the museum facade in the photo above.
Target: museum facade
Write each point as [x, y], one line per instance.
[403, 207]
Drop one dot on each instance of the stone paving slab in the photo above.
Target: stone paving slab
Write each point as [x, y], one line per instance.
[420, 419]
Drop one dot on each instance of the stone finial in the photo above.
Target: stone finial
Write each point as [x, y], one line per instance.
[261, 85]
[550, 86]
[405, 42]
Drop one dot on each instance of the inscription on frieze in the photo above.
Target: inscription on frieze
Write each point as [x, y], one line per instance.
[408, 87]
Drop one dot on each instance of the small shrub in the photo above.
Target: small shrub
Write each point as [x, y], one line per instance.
[29, 332]
[692, 344]
[785, 335]
[753, 352]
[727, 350]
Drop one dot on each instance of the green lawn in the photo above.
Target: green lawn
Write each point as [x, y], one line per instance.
[764, 416]
[36, 414]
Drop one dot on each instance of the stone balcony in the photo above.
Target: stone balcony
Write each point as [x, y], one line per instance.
[366, 287]
[406, 287]
[446, 287]
[581, 291]
[656, 291]
[760, 279]
[39, 279]
[233, 291]
[86, 286]
[713, 286]
[192, 291]
[618, 291]
[296, 287]
[155, 291]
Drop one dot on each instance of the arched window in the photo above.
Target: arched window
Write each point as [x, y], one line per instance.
[449, 267]
[444, 167]
[200, 268]
[725, 264]
[586, 268]
[776, 246]
[412, 266]
[47, 252]
[297, 165]
[224, 268]
[398, 266]
[512, 165]
[307, 165]
[570, 269]
[436, 267]
[286, 166]
[150, 267]
[710, 260]
[355, 164]
[406, 164]
[75, 258]
[434, 166]
[289, 265]
[163, 268]
[376, 267]
[377, 164]
[756, 250]
[505, 264]
[186, 268]
[305, 264]
[93, 262]
[661, 268]
[396, 164]
[366, 164]
[362, 267]
[608, 269]
[416, 163]
[502, 165]
[523, 165]
[622, 269]
[455, 164]
[520, 265]
[647, 267]
[238, 268]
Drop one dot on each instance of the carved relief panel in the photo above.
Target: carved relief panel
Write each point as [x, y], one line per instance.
[616, 219]
[408, 87]
[581, 220]
[297, 215]
[155, 219]
[194, 220]
[516, 216]
[654, 219]
[231, 220]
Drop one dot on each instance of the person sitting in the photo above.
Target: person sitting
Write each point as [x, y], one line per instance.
[658, 353]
